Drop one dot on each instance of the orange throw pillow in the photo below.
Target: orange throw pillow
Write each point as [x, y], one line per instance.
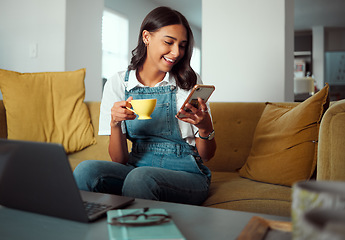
[284, 148]
[47, 107]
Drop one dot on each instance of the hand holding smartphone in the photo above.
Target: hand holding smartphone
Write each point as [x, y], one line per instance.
[199, 91]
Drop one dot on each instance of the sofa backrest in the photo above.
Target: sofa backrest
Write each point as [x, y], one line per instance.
[234, 124]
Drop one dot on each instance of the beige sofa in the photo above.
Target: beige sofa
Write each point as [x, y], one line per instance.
[235, 124]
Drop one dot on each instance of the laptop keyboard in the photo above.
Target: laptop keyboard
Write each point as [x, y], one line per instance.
[92, 208]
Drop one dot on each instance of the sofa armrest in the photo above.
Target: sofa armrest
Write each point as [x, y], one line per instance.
[331, 151]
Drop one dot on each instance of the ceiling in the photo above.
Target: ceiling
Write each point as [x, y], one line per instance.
[308, 13]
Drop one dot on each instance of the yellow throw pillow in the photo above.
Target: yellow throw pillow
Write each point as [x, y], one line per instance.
[284, 148]
[47, 107]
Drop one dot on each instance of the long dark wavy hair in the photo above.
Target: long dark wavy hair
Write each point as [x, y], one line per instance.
[156, 19]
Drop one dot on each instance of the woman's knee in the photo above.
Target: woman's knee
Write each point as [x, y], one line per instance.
[86, 169]
[101, 176]
[84, 173]
[166, 185]
[141, 183]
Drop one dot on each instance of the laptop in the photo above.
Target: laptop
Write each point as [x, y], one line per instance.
[37, 177]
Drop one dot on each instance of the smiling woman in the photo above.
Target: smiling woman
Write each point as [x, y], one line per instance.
[166, 161]
[159, 20]
[165, 48]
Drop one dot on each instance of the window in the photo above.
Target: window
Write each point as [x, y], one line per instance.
[114, 43]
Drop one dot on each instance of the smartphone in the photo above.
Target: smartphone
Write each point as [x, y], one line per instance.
[199, 91]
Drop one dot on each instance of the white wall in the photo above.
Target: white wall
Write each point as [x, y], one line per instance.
[67, 35]
[245, 43]
[29, 23]
[319, 55]
[247, 49]
[84, 43]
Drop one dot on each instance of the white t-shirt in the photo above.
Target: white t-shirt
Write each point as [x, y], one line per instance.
[114, 91]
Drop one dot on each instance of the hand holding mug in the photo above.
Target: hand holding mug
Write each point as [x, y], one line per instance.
[119, 112]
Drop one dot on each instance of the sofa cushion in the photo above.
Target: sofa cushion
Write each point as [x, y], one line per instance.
[284, 148]
[47, 107]
[228, 190]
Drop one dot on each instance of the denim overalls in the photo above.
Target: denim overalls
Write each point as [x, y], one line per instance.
[161, 166]
[157, 142]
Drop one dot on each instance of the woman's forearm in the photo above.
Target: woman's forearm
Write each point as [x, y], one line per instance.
[118, 150]
[206, 148]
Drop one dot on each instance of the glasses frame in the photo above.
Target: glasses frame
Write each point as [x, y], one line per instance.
[162, 218]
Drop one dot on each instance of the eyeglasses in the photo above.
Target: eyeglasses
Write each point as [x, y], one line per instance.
[140, 218]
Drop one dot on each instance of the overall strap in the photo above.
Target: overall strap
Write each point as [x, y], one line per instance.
[127, 76]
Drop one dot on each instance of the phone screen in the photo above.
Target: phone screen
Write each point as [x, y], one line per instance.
[199, 91]
[195, 104]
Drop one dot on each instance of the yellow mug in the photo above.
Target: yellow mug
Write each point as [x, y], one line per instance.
[143, 107]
